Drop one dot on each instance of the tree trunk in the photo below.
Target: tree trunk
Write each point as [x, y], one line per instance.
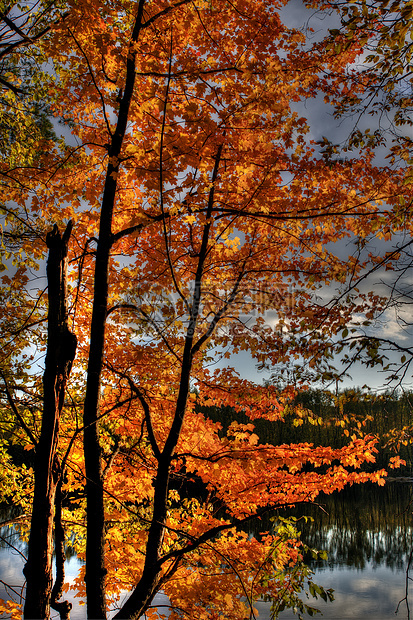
[61, 350]
[63, 607]
[95, 576]
[141, 597]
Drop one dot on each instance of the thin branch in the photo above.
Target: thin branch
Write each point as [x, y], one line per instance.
[111, 458]
[14, 520]
[134, 388]
[168, 9]
[214, 531]
[151, 321]
[406, 596]
[11, 588]
[10, 23]
[392, 344]
[10, 86]
[9, 544]
[218, 315]
[165, 233]
[12, 404]
[179, 74]
[186, 367]
[138, 227]
[102, 100]
[329, 307]
[30, 40]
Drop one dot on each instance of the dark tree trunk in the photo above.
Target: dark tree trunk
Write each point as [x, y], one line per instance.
[141, 597]
[95, 576]
[63, 607]
[61, 350]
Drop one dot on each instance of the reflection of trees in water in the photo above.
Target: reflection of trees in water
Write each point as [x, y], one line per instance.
[355, 547]
[14, 532]
[361, 524]
[10, 532]
[364, 523]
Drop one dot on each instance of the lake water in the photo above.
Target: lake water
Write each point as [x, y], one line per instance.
[367, 532]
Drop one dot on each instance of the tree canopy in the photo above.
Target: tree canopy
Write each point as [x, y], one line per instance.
[187, 213]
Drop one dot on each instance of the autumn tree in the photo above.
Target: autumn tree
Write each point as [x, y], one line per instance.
[24, 119]
[204, 217]
[25, 130]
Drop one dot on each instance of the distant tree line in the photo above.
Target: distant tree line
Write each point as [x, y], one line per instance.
[322, 417]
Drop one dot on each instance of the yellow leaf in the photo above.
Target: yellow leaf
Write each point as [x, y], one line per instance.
[228, 601]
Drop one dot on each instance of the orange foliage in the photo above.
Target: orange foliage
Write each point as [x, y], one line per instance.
[189, 162]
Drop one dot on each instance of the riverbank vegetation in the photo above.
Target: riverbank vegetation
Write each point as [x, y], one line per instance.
[322, 417]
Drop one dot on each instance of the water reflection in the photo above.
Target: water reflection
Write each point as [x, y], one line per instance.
[13, 553]
[366, 530]
[362, 525]
[368, 594]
